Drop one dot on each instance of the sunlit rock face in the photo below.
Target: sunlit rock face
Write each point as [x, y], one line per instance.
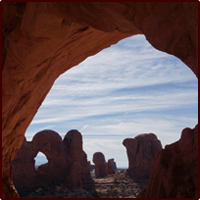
[141, 151]
[41, 40]
[67, 162]
[174, 172]
[100, 164]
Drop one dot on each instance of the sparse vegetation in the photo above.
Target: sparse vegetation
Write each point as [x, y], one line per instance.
[118, 185]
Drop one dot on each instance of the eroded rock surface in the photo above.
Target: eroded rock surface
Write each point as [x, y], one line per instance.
[174, 173]
[141, 151]
[41, 40]
[67, 162]
[100, 164]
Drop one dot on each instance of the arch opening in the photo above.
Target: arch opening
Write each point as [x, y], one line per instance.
[40, 159]
[156, 20]
[127, 89]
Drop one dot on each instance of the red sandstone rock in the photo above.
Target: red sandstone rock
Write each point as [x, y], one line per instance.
[174, 173]
[67, 162]
[41, 40]
[100, 164]
[141, 152]
[109, 168]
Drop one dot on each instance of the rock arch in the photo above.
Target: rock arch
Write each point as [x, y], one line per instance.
[67, 162]
[42, 40]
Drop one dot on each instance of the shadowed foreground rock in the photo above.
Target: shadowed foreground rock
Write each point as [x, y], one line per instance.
[67, 162]
[174, 173]
[42, 40]
[141, 151]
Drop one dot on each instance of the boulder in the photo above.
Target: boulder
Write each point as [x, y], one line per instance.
[100, 165]
[141, 151]
[174, 173]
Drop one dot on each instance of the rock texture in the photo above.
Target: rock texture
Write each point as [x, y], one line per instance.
[100, 164]
[41, 40]
[174, 172]
[67, 162]
[109, 167]
[141, 151]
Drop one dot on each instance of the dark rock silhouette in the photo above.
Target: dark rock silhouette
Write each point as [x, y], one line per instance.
[174, 173]
[102, 169]
[141, 151]
[100, 164]
[109, 167]
[113, 163]
[67, 162]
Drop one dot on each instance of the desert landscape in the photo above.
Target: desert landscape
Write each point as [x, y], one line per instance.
[43, 40]
[68, 173]
[118, 185]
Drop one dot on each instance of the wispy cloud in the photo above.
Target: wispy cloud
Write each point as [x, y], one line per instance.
[124, 90]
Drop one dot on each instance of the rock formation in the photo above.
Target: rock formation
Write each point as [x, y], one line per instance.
[67, 162]
[141, 151]
[114, 165]
[174, 172]
[109, 167]
[41, 40]
[100, 164]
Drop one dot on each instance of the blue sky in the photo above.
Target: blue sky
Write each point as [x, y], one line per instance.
[125, 90]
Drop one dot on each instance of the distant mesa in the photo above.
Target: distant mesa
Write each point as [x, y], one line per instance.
[67, 162]
[141, 151]
[174, 173]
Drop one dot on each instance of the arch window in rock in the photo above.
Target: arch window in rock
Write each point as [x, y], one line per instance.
[40, 159]
[126, 89]
[42, 40]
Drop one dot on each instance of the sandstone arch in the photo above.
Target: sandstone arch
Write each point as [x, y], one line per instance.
[41, 40]
[67, 162]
